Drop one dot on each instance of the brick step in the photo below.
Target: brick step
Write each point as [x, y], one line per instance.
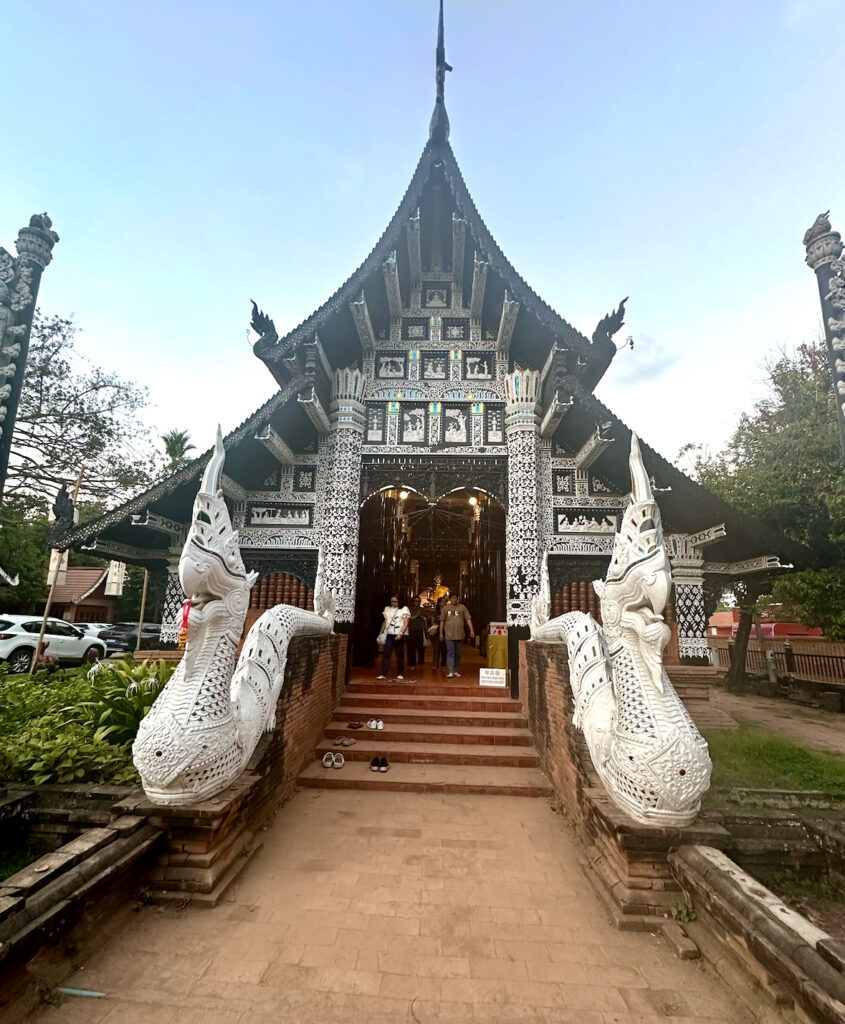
[494, 720]
[437, 778]
[433, 753]
[398, 732]
[410, 699]
[446, 689]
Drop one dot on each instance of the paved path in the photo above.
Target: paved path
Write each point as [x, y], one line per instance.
[397, 907]
[811, 727]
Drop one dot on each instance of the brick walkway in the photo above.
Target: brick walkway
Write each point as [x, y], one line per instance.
[396, 907]
[819, 730]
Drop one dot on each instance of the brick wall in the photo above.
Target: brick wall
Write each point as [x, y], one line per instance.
[205, 844]
[626, 861]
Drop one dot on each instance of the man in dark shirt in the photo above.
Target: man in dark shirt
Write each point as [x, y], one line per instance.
[454, 621]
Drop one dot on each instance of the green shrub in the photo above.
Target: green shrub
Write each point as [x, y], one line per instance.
[121, 695]
[76, 725]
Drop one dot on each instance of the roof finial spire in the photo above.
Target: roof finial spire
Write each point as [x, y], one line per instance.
[439, 128]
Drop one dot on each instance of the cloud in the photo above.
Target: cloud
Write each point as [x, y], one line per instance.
[648, 360]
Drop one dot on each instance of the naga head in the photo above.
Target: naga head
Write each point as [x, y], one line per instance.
[639, 578]
[211, 569]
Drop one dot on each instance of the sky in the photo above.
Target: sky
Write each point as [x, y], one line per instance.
[195, 155]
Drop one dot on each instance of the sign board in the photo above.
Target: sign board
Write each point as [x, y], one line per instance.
[498, 629]
[57, 573]
[115, 579]
[493, 677]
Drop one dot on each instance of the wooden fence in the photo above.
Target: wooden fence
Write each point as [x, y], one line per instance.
[819, 661]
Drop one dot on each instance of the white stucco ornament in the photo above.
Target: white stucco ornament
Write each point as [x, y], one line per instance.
[652, 759]
[205, 724]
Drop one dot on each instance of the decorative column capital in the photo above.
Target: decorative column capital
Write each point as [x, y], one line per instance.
[36, 241]
[522, 392]
[347, 408]
[823, 245]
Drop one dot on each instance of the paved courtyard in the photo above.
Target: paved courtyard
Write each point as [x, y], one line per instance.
[811, 727]
[396, 907]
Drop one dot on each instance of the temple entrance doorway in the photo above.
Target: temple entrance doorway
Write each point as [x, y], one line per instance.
[413, 546]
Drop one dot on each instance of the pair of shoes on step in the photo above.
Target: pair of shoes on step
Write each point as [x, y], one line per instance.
[379, 764]
[375, 723]
[346, 741]
[333, 760]
[454, 675]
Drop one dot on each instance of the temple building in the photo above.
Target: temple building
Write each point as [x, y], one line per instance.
[435, 426]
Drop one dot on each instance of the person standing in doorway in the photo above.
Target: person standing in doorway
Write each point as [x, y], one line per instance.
[437, 649]
[416, 635]
[454, 621]
[395, 628]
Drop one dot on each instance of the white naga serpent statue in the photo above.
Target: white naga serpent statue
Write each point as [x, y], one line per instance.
[648, 753]
[207, 721]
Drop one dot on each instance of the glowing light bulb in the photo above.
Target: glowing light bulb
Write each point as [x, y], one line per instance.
[473, 500]
[403, 495]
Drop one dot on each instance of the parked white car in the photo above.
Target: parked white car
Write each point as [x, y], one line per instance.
[19, 635]
[91, 628]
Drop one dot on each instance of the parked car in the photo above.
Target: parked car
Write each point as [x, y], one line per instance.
[123, 636]
[63, 640]
[92, 628]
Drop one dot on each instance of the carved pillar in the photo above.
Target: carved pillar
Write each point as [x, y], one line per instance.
[688, 598]
[339, 534]
[824, 256]
[19, 281]
[174, 598]
[522, 541]
[523, 530]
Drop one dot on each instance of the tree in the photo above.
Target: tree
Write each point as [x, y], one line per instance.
[177, 444]
[783, 465]
[73, 415]
[23, 552]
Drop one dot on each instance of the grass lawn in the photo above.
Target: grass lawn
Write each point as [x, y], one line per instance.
[753, 759]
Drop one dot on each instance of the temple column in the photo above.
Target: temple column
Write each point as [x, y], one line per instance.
[174, 598]
[688, 586]
[522, 426]
[19, 281]
[340, 517]
[824, 257]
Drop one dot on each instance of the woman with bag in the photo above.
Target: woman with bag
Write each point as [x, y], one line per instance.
[392, 635]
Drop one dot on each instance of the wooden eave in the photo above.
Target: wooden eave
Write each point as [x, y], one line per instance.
[686, 506]
[247, 462]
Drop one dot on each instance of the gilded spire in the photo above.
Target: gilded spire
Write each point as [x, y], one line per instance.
[438, 130]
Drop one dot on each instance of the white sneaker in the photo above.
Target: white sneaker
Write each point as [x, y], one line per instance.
[381, 677]
[450, 675]
[379, 724]
[372, 724]
[458, 675]
[400, 677]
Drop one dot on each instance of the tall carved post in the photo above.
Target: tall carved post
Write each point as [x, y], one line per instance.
[522, 422]
[174, 597]
[339, 534]
[824, 256]
[19, 281]
[688, 584]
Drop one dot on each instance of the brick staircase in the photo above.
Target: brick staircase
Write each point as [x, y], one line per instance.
[440, 736]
